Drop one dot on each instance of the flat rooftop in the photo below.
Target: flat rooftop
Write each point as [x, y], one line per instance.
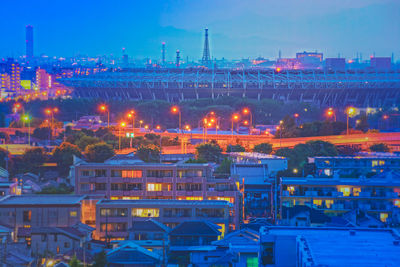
[163, 202]
[254, 155]
[337, 247]
[39, 199]
[341, 181]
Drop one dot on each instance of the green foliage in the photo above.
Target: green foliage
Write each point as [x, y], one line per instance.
[63, 155]
[348, 150]
[379, 147]
[265, 148]
[362, 123]
[99, 152]
[148, 153]
[211, 152]
[196, 161]
[42, 133]
[74, 262]
[316, 128]
[235, 148]
[298, 156]
[4, 156]
[100, 259]
[224, 169]
[32, 159]
[4, 137]
[62, 189]
[86, 140]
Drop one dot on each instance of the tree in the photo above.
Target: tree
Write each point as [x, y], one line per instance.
[287, 128]
[4, 138]
[100, 259]
[379, 147]
[265, 148]
[61, 189]
[74, 262]
[99, 152]
[63, 155]
[211, 152]
[362, 123]
[235, 148]
[148, 153]
[86, 140]
[224, 169]
[33, 158]
[4, 157]
[42, 133]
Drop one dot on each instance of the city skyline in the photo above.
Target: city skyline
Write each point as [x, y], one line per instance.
[237, 30]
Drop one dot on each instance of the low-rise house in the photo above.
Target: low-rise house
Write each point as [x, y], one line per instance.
[129, 254]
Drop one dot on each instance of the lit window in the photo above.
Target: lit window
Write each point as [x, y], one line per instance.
[328, 203]
[374, 163]
[383, 217]
[397, 203]
[73, 214]
[140, 212]
[154, 187]
[356, 191]
[291, 189]
[345, 191]
[381, 162]
[317, 202]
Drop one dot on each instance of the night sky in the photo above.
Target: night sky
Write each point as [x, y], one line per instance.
[238, 28]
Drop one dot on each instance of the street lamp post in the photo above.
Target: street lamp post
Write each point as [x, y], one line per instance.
[131, 115]
[122, 124]
[248, 111]
[176, 109]
[349, 112]
[26, 118]
[235, 117]
[50, 112]
[331, 113]
[104, 108]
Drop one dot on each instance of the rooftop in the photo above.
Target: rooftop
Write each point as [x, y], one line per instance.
[164, 202]
[345, 247]
[254, 155]
[196, 227]
[37, 199]
[341, 181]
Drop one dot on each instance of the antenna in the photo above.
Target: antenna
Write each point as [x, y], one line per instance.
[206, 51]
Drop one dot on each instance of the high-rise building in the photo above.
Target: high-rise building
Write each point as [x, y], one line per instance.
[43, 79]
[13, 69]
[29, 41]
[5, 81]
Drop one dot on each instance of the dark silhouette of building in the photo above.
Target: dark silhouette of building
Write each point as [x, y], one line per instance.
[29, 41]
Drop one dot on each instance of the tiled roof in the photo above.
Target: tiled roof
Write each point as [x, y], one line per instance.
[196, 228]
[149, 226]
[41, 200]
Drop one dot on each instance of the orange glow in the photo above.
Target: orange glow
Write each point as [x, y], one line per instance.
[146, 126]
[140, 121]
[187, 127]
[132, 112]
[103, 108]
[175, 109]
[48, 111]
[277, 127]
[158, 127]
[296, 115]
[385, 117]
[266, 132]
[55, 109]
[351, 111]
[209, 124]
[235, 117]
[212, 120]
[212, 113]
[329, 113]
[205, 120]
[245, 110]
[123, 124]
[245, 122]
[278, 69]
[129, 115]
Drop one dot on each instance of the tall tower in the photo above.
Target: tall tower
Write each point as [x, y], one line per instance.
[163, 54]
[29, 41]
[206, 60]
[178, 58]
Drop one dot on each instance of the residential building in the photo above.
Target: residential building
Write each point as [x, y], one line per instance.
[115, 217]
[130, 254]
[363, 164]
[27, 211]
[256, 173]
[127, 177]
[378, 196]
[323, 246]
[190, 236]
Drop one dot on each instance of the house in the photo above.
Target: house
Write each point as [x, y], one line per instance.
[151, 235]
[192, 236]
[129, 254]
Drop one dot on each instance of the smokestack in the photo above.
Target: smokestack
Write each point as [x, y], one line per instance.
[178, 58]
[29, 41]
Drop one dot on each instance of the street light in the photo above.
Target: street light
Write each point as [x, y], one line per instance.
[176, 109]
[140, 124]
[248, 111]
[50, 112]
[131, 115]
[235, 117]
[122, 125]
[27, 118]
[104, 108]
[350, 111]
[331, 113]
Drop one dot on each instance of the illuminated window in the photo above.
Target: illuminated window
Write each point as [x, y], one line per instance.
[73, 214]
[381, 162]
[327, 172]
[383, 217]
[154, 187]
[130, 198]
[193, 198]
[397, 203]
[291, 190]
[374, 163]
[229, 199]
[131, 174]
[140, 212]
[222, 230]
[356, 191]
[345, 190]
[328, 203]
[317, 202]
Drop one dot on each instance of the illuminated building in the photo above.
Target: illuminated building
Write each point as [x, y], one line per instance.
[115, 217]
[5, 81]
[334, 247]
[13, 69]
[335, 64]
[29, 41]
[309, 56]
[128, 178]
[43, 79]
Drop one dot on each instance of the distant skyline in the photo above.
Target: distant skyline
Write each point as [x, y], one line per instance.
[237, 29]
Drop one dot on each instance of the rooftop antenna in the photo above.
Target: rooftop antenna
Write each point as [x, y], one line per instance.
[163, 54]
[177, 58]
[280, 54]
[206, 51]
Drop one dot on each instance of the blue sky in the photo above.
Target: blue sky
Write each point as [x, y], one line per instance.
[238, 29]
